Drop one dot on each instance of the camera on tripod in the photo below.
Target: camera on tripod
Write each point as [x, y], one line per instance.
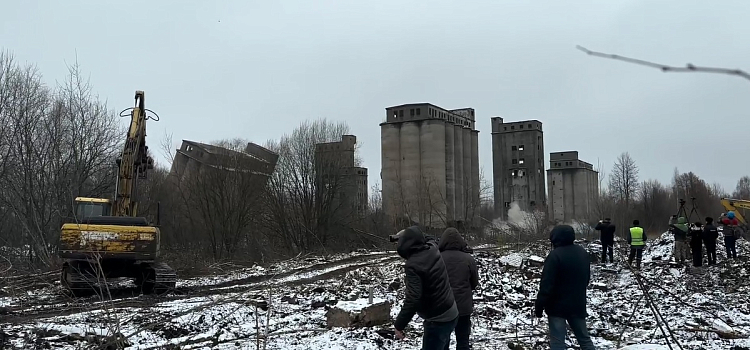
[682, 212]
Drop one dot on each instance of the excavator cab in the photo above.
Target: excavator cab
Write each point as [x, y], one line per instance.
[88, 207]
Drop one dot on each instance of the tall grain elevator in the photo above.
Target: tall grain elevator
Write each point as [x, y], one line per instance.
[573, 187]
[430, 165]
[518, 165]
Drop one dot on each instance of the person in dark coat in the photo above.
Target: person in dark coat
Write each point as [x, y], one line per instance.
[696, 243]
[562, 290]
[730, 229]
[464, 278]
[710, 235]
[607, 237]
[428, 290]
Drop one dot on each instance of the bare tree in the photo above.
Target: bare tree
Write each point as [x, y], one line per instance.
[654, 206]
[473, 203]
[221, 196]
[742, 191]
[623, 180]
[664, 68]
[57, 144]
[623, 188]
[304, 210]
[695, 191]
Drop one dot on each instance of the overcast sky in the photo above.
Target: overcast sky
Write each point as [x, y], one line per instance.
[255, 69]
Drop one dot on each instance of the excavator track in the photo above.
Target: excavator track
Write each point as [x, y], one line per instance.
[158, 278]
[78, 280]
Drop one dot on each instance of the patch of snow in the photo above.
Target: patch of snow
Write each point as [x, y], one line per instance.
[81, 329]
[357, 305]
[645, 347]
[514, 259]
[720, 326]
[537, 259]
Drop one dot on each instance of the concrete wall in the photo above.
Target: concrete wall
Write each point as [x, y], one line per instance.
[429, 160]
[362, 189]
[466, 185]
[411, 169]
[573, 189]
[334, 164]
[390, 171]
[475, 185]
[450, 173]
[498, 180]
[518, 165]
[458, 157]
[432, 141]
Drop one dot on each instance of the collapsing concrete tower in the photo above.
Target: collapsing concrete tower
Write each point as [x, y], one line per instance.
[518, 165]
[573, 187]
[335, 171]
[430, 165]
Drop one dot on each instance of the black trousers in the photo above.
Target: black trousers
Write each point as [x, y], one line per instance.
[697, 248]
[437, 335]
[730, 243]
[710, 250]
[608, 249]
[463, 330]
[637, 253]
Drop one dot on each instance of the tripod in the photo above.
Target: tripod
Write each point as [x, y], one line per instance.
[682, 212]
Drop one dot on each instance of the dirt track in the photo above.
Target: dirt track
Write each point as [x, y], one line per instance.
[47, 299]
[50, 300]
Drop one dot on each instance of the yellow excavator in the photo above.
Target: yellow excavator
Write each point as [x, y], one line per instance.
[731, 204]
[107, 239]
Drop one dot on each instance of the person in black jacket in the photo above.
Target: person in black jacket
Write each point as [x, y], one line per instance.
[710, 235]
[464, 278]
[607, 237]
[428, 290]
[562, 290]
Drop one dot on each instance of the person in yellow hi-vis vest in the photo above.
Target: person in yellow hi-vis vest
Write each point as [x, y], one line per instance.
[637, 240]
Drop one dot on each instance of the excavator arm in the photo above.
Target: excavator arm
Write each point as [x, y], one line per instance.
[732, 205]
[134, 161]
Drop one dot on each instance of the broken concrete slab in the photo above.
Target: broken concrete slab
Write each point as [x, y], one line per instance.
[359, 313]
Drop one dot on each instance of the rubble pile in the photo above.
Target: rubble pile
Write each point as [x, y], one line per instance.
[292, 309]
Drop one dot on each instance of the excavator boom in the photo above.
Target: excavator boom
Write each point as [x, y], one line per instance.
[731, 204]
[134, 161]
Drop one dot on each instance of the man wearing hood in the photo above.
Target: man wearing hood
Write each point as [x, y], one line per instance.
[464, 278]
[562, 290]
[680, 231]
[607, 237]
[428, 290]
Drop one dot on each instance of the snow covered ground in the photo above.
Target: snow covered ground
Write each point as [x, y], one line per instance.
[286, 303]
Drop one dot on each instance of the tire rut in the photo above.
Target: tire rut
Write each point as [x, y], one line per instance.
[129, 297]
[63, 305]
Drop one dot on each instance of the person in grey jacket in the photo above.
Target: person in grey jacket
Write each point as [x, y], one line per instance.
[464, 278]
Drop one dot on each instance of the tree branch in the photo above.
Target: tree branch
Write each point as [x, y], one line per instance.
[664, 68]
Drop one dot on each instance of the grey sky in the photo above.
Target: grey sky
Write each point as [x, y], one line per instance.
[256, 69]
